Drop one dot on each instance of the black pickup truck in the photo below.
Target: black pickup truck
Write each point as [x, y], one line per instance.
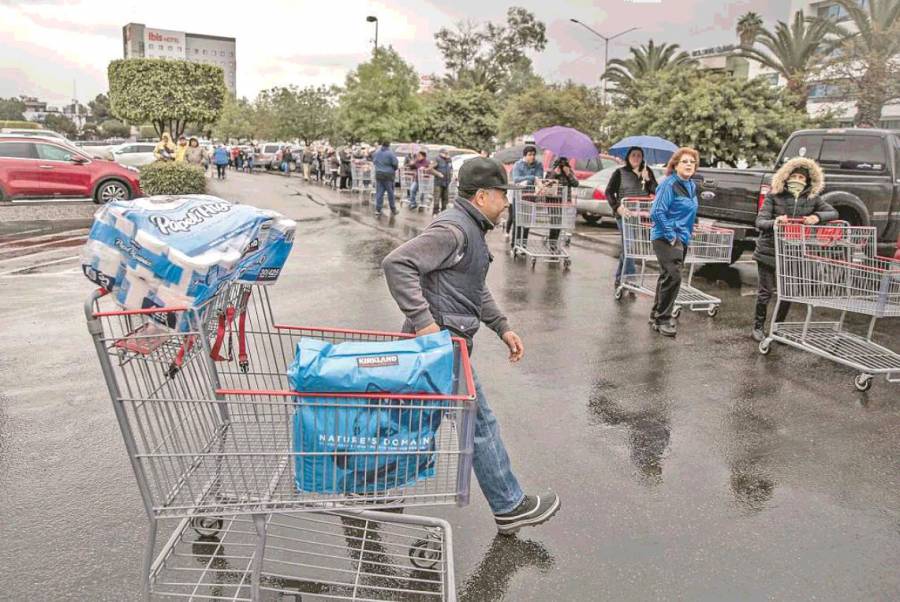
[862, 182]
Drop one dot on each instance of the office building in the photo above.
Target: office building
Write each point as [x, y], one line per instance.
[140, 41]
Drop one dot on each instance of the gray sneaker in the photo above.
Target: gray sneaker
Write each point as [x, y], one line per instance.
[667, 329]
[534, 510]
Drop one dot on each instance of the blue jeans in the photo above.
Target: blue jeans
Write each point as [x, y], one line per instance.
[491, 462]
[627, 264]
[413, 194]
[382, 186]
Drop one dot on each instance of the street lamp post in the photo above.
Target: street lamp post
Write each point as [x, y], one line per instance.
[374, 20]
[605, 47]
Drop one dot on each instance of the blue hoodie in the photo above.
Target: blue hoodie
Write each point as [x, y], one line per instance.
[385, 162]
[674, 210]
[522, 172]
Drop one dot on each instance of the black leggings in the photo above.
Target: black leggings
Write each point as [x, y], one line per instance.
[220, 171]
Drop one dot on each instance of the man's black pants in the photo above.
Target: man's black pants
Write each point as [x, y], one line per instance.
[441, 198]
[766, 291]
[670, 258]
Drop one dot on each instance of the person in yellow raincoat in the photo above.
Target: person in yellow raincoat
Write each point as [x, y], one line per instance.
[165, 150]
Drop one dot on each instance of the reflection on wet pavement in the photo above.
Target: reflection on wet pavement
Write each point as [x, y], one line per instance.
[506, 556]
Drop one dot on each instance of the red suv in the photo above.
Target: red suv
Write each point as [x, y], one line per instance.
[42, 167]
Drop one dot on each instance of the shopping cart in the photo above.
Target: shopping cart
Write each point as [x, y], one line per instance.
[425, 191]
[835, 266]
[207, 417]
[708, 245]
[362, 179]
[538, 211]
[405, 178]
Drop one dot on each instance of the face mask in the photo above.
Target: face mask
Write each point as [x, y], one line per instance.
[795, 187]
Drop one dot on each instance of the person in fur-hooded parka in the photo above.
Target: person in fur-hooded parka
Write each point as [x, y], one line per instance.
[796, 187]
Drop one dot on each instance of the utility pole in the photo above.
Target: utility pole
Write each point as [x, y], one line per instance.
[605, 48]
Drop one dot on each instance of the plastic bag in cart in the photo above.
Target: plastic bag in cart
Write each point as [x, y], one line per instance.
[367, 444]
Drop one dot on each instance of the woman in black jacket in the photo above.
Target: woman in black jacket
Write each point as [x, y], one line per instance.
[795, 194]
[632, 179]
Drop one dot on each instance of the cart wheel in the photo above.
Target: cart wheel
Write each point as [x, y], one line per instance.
[618, 293]
[676, 312]
[533, 262]
[207, 526]
[425, 553]
[765, 346]
[712, 311]
[567, 263]
[863, 382]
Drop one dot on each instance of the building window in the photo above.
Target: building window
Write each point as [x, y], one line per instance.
[821, 91]
[179, 49]
[150, 46]
[204, 51]
[170, 49]
[231, 53]
[196, 51]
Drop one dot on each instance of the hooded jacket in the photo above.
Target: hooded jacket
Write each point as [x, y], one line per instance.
[781, 202]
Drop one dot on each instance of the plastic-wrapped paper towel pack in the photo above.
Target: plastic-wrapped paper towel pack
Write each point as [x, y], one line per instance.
[167, 251]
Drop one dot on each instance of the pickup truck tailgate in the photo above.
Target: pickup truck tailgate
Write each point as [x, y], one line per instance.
[729, 194]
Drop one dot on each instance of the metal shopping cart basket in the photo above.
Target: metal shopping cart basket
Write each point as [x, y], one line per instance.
[543, 211]
[425, 191]
[206, 414]
[405, 178]
[708, 245]
[362, 179]
[835, 267]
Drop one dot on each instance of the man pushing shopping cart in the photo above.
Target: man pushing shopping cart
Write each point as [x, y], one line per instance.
[438, 280]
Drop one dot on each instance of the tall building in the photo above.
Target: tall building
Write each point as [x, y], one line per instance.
[140, 41]
[829, 97]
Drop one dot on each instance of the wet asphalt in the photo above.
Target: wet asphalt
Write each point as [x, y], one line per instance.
[689, 469]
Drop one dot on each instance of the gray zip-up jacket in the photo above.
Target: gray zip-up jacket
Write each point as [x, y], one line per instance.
[441, 246]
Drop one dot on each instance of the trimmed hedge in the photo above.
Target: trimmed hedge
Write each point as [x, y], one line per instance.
[168, 177]
[20, 125]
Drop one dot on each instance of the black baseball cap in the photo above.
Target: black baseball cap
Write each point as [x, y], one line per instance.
[483, 173]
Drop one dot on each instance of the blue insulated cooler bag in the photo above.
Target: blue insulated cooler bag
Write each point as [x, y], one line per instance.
[367, 444]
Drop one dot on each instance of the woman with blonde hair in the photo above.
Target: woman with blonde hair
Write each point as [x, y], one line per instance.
[165, 150]
[673, 214]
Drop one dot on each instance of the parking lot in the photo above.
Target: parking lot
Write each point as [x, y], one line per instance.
[689, 469]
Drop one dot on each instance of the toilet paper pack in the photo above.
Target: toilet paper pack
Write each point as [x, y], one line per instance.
[180, 250]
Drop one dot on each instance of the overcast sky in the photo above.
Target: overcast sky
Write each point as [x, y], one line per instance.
[46, 45]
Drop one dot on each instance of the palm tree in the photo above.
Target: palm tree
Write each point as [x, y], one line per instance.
[793, 52]
[645, 61]
[867, 55]
[748, 28]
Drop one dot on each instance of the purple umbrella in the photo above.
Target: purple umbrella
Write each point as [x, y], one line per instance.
[566, 142]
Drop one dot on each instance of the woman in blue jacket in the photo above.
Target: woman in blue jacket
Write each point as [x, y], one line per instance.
[220, 158]
[673, 214]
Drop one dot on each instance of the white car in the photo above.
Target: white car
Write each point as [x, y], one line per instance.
[133, 154]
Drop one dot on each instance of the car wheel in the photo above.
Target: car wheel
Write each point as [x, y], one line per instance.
[112, 190]
[591, 219]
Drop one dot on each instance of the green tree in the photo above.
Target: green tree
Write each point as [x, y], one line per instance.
[645, 61]
[113, 128]
[304, 113]
[236, 120]
[489, 55]
[726, 119]
[866, 58]
[99, 108]
[748, 27]
[570, 104]
[11, 109]
[460, 117]
[380, 100]
[60, 123]
[90, 131]
[168, 94]
[794, 51]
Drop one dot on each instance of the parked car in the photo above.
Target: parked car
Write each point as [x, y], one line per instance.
[36, 132]
[266, 156]
[583, 168]
[862, 182]
[590, 196]
[42, 167]
[135, 154]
